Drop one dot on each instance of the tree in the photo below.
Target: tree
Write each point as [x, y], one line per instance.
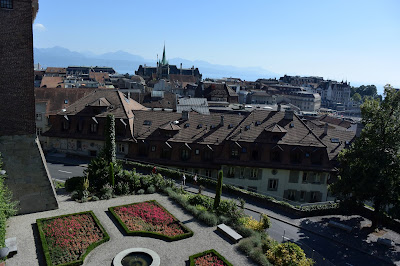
[109, 147]
[218, 191]
[357, 97]
[370, 169]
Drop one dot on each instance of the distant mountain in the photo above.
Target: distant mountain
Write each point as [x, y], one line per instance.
[124, 62]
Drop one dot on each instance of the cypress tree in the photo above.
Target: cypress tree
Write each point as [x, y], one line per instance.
[109, 147]
[218, 191]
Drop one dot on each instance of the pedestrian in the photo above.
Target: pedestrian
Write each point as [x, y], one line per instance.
[154, 171]
[184, 179]
[195, 179]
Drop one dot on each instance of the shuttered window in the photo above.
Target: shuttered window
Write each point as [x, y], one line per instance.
[294, 177]
[6, 4]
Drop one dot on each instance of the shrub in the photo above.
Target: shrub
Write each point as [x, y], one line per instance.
[151, 189]
[75, 195]
[208, 218]
[106, 192]
[202, 200]
[8, 207]
[95, 198]
[118, 188]
[288, 253]
[246, 246]
[98, 173]
[73, 183]
[140, 191]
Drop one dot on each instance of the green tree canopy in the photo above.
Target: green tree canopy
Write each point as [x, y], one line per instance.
[357, 97]
[366, 92]
[370, 169]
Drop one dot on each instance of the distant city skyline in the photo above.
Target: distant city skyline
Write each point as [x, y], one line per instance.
[356, 41]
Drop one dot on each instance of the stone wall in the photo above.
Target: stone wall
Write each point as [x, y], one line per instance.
[27, 174]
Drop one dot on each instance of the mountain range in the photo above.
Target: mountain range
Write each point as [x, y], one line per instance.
[124, 62]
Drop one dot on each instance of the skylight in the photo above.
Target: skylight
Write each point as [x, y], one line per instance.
[335, 140]
[147, 123]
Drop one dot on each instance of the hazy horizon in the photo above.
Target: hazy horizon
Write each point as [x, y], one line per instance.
[355, 41]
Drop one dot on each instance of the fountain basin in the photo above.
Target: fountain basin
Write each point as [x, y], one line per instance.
[143, 255]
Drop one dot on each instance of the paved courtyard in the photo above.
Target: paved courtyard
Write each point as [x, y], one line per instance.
[172, 253]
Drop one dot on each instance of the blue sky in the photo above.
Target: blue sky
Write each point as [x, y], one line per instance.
[354, 40]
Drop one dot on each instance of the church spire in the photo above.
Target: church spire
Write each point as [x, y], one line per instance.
[164, 59]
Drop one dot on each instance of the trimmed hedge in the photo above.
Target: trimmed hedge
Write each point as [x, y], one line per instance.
[267, 201]
[195, 256]
[188, 233]
[92, 246]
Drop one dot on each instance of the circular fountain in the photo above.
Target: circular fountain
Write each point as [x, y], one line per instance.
[137, 257]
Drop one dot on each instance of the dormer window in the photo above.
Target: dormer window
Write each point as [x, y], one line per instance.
[147, 123]
[6, 4]
[65, 125]
[93, 128]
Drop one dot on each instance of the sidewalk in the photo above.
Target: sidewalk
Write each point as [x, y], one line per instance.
[359, 239]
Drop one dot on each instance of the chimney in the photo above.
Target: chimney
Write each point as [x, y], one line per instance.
[289, 114]
[185, 115]
[279, 108]
[181, 69]
[222, 121]
[326, 129]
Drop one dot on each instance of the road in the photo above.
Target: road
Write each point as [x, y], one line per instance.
[65, 170]
[315, 246]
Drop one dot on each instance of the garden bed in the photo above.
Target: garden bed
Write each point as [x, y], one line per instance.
[151, 219]
[68, 239]
[208, 258]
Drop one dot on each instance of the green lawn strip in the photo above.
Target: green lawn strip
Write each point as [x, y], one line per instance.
[152, 234]
[195, 256]
[45, 247]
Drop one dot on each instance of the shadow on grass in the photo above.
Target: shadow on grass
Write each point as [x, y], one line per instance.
[38, 245]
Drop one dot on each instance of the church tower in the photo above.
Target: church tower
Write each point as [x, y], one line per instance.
[23, 158]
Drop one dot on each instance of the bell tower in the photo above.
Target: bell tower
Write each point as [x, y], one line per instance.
[23, 158]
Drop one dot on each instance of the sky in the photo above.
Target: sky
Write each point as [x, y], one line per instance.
[358, 41]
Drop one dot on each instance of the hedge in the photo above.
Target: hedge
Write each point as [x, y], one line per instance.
[188, 233]
[92, 246]
[242, 193]
[193, 257]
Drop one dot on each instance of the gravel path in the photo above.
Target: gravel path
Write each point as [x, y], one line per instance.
[171, 253]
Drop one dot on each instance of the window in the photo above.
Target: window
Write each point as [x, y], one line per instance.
[231, 172]
[235, 153]
[295, 156]
[65, 125]
[66, 101]
[93, 128]
[208, 173]
[185, 154]
[273, 184]
[305, 177]
[302, 195]
[121, 148]
[38, 117]
[244, 150]
[79, 145]
[166, 154]
[294, 176]
[6, 4]
[291, 194]
[153, 148]
[197, 152]
[38, 131]
[254, 173]
[255, 155]
[207, 155]
[275, 156]
[241, 173]
[313, 196]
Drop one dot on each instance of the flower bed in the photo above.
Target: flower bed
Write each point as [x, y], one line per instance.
[208, 258]
[149, 218]
[67, 239]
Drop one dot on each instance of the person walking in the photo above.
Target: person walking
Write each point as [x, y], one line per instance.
[195, 179]
[154, 171]
[184, 179]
